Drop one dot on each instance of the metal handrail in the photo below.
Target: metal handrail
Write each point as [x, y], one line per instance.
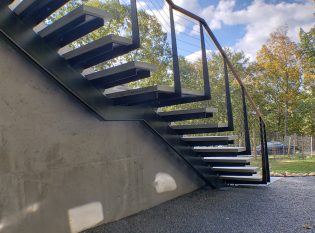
[217, 44]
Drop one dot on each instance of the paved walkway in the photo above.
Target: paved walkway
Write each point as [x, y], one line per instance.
[287, 205]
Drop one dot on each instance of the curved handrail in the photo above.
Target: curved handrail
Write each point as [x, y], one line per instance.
[214, 39]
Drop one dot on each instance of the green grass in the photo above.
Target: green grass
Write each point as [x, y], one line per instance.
[300, 166]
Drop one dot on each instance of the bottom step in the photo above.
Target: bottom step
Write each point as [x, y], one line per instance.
[242, 179]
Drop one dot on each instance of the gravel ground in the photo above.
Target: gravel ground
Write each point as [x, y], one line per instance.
[287, 205]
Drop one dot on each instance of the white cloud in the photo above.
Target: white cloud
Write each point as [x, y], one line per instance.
[261, 19]
[197, 55]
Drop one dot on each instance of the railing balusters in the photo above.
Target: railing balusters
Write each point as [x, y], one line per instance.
[246, 127]
[266, 153]
[228, 101]
[262, 151]
[134, 24]
[205, 70]
[177, 81]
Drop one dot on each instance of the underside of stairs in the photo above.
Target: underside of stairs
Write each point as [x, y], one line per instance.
[215, 158]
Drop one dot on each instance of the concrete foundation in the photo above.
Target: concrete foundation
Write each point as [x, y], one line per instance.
[63, 170]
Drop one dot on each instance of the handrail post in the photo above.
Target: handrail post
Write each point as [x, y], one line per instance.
[246, 127]
[228, 101]
[134, 24]
[262, 151]
[177, 81]
[205, 70]
[266, 153]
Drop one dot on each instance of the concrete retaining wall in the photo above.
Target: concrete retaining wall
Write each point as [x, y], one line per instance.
[63, 170]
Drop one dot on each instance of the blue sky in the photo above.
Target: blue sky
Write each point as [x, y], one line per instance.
[239, 24]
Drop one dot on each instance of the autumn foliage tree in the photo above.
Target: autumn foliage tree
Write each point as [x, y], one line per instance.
[278, 74]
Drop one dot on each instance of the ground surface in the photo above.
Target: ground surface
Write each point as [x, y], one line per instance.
[287, 205]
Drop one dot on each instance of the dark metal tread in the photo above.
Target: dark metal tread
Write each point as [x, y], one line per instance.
[254, 178]
[121, 74]
[98, 51]
[74, 25]
[208, 140]
[187, 114]
[201, 128]
[204, 149]
[224, 159]
[32, 12]
[246, 169]
[153, 95]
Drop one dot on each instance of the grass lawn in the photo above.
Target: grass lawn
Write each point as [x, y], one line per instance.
[296, 166]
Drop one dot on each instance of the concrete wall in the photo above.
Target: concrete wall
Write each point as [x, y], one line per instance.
[63, 170]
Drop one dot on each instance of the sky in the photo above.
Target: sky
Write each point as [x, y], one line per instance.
[238, 24]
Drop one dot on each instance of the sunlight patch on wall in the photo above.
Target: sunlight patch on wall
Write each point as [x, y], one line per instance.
[85, 216]
[164, 183]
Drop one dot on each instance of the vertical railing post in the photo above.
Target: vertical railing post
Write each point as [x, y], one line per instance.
[266, 153]
[228, 101]
[206, 81]
[246, 127]
[134, 24]
[177, 82]
[263, 149]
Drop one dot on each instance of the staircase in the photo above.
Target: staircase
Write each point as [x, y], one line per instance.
[212, 156]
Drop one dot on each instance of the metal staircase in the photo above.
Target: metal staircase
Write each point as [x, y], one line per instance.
[210, 155]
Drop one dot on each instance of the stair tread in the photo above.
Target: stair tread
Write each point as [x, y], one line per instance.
[120, 69]
[109, 39]
[187, 111]
[228, 159]
[198, 126]
[241, 178]
[81, 19]
[208, 138]
[218, 149]
[33, 12]
[227, 168]
[157, 88]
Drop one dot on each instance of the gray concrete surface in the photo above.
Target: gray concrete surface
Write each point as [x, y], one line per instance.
[59, 163]
[284, 206]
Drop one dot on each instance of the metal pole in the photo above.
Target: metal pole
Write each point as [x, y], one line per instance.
[246, 127]
[134, 24]
[204, 64]
[177, 82]
[228, 101]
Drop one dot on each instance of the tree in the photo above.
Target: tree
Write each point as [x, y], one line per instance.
[279, 75]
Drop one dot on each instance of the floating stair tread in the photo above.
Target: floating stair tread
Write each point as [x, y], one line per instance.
[241, 178]
[120, 69]
[107, 40]
[187, 111]
[203, 126]
[158, 89]
[189, 114]
[245, 169]
[33, 12]
[219, 149]
[208, 138]
[79, 17]
[222, 159]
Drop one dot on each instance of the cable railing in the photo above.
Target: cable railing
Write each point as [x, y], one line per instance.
[245, 101]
